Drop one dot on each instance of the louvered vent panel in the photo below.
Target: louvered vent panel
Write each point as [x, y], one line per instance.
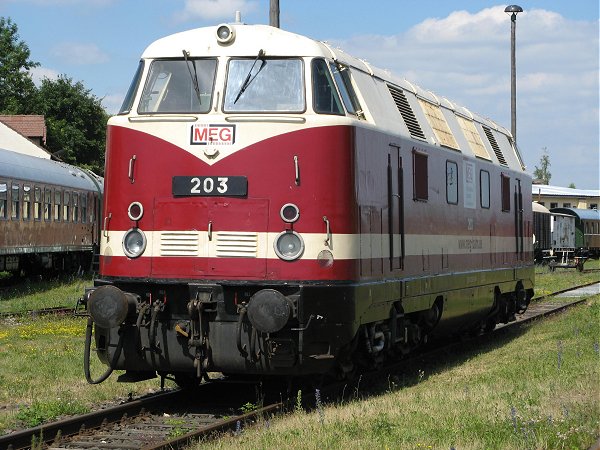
[236, 244]
[407, 113]
[495, 146]
[179, 243]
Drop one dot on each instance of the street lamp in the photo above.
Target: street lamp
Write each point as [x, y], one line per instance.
[513, 10]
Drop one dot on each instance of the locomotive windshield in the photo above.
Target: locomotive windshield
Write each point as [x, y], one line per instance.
[170, 88]
[128, 101]
[264, 85]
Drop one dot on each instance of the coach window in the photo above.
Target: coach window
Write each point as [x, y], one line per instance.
[505, 180]
[179, 86]
[484, 189]
[15, 199]
[341, 74]
[3, 201]
[84, 208]
[37, 203]
[93, 208]
[57, 203]
[452, 182]
[265, 85]
[47, 204]
[26, 202]
[325, 97]
[75, 207]
[420, 177]
[66, 206]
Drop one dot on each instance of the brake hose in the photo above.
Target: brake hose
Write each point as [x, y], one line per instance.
[242, 314]
[86, 355]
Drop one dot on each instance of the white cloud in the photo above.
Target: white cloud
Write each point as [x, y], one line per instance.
[214, 9]
[466, 58]
[39, 73]
[112, 102]
[79, 54]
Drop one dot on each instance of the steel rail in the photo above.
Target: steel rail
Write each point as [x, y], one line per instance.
[72, 425]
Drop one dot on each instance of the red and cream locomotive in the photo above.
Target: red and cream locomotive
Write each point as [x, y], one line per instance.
[274, 206]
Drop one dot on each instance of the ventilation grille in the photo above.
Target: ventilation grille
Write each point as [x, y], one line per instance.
[495, 146]
[236, 244]
[179, 243]
[407, 113]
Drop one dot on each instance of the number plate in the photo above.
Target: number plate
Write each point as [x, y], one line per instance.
[210, 186]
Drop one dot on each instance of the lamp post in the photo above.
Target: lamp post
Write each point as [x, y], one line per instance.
[513, 10]
[274, 13]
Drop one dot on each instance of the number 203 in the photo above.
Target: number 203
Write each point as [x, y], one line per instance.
[207, 185]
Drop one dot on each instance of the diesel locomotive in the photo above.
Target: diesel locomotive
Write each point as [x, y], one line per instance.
[275, 206]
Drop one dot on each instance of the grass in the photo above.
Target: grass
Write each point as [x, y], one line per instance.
[547, 282]
[43, 294]
[545, 399]
[41, 372]
[41, 359]
[534, 388]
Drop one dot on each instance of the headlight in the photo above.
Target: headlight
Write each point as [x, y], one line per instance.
[289, 213]
[225, 34]
[289, 245]
[134, 242]
[135, 211]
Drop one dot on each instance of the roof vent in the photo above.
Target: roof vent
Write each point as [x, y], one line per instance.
[495, 146]
[407, 113]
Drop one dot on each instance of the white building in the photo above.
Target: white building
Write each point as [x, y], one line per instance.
[12, 140]
[561, 197]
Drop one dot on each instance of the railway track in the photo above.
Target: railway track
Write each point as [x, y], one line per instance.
[166, 420]
[171, 420]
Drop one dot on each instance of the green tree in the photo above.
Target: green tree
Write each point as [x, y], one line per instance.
[542, 173]
[16, 86]
[572, 186]
[75, 122]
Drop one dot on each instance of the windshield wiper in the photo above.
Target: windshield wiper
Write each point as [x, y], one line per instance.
[193, 76]
[248, 80]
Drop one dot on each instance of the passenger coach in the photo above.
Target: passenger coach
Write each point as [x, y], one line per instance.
[276, 206]
[48, 214]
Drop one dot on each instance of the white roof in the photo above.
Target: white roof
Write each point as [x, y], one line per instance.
[558, 191]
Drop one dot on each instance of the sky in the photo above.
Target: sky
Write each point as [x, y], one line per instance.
[457, 49]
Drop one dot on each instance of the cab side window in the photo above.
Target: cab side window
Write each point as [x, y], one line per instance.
[325, 97]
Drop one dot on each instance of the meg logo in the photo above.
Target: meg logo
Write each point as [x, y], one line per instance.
[205, 134]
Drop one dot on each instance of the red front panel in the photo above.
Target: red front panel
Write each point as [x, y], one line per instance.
[325, 163]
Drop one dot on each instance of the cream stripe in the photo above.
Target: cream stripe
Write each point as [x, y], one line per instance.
[343, 246]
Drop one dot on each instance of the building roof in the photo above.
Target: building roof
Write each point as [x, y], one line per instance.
[557, 191]
[33, 126]
[16, 142]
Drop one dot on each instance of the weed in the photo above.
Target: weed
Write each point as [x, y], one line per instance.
[319, 406]
[298, 407]
[513, 415]
[248, 407]
[358, 386]
[178, 428]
